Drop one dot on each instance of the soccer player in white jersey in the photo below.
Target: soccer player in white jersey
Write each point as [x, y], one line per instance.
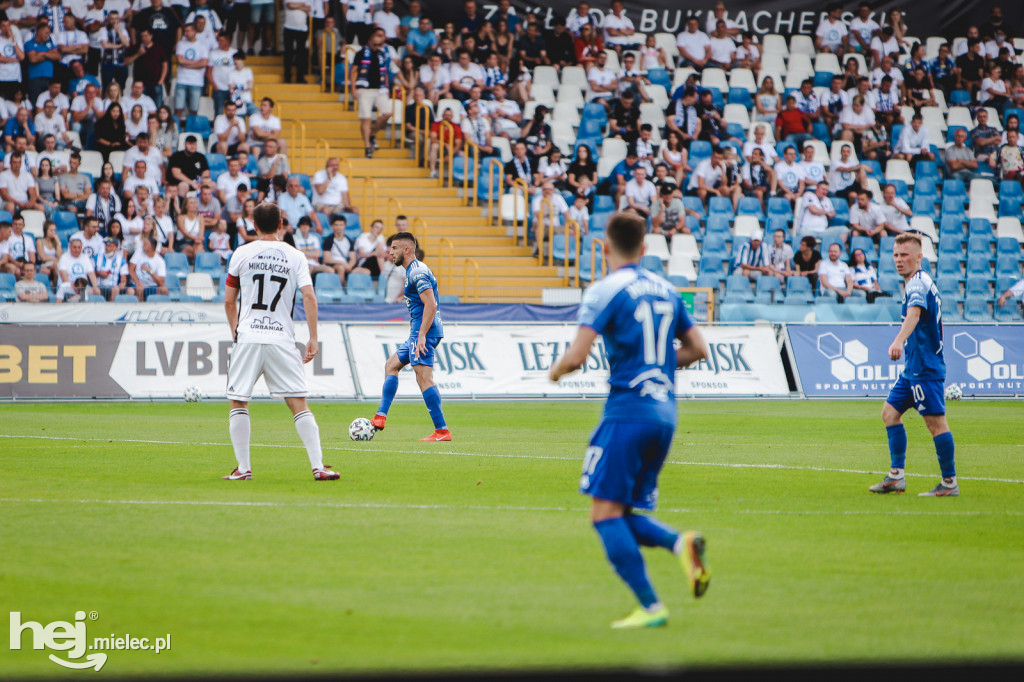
[640, 316]
[265, 274]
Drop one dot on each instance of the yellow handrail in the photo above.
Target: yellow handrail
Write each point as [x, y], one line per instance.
[393, 201]
[476, 279]
[420, 235]
[398, 98]
[492, 169]
[368, 209]
[571, 224]
[297, 144]
[516, 184]
[421, 136]
[446, 143]
[309, 45]
[349, 89]
[466, 145]
[448, 272]
[593, 259]
[318, 160]
[328, 57]
[545, 232]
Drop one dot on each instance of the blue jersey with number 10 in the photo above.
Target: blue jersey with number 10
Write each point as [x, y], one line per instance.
[419, 278]
[639, 315]
[924, 361]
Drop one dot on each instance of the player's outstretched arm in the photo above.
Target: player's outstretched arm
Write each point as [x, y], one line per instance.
[576, 354]
[312, 314]
[692, 348]
[909, 324]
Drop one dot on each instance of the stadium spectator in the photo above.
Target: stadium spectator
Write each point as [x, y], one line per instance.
[369, 85]
[77, 271]
[41, 53]
[187, 168]
[960, 161]
[11, 57]
[148, 271]
[112, 270]
[970, 67]
[49, 251]
[421, 40]
[619, 31]
[887, 102]
[682, 116]
[1011, 164]
[913, 145]
[1015, 291]
[588, 46]
[531, 48]
[815, 211]
[111, 134]
[834, 275]
[46, 186]
[806, 259]
[942, 70]
[832, 34]
[985, 140]
[18, 187]
[603, 85]
[549, 214]
[694, 45]
[709, 179]
[712, 121]
[780, 256]
[993, 91]
[832, 104]
[866, 217]
[28, 289]
[895, 210]
[310, 244]
[296, 25]
[754, 258]
[244, 224]
[789, 175]
[883, 45]
[114, 41]
[793, 125]
[163, 23]
[330, 190]
[294, 204]
[767, 102]
[19, 246]
[579, 213]
[723, 47]
[370, 250]
[220, 64]
[640, 194]
[192, 56]
[560, 43]
[863, 30]
[864, 277]
[812, 169]
[151, 66]
[262, 15]
[848, 176]
[220, 242]
[19, 125]
[188, 238]
[758, 178]
[338, 252]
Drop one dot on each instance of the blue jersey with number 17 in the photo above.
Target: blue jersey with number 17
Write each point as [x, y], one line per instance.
[639, 315]
[924, 361]
[419, 278]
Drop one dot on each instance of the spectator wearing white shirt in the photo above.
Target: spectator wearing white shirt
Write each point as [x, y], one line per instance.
[780, 256]
[240, 85]
[218, 67]
[895, 211]
[884, 44]
[370, 249]
[767, 150]
[192, 55]
[464, 75]
[54, 94]
[212, 24]
[619, 32]
[723, 47]
[330, 190]
[640, 193]
[263, 126]
[848, 176]
[813, 170]
[144, 151]
[815, 211]
[296, 28]
[862, 30]
[18, 187]
[694, 45]
[602, 81]
[887, 104]
[867, 217]
[435, 79]
[832, 103]
[807, 101]
[72, 43]
[311, 244]
[709, 178]
[386, 18]
[136, 95]
[832, 34]
[913, 145]
[76, 271]
[148, 270]
[229, 131]
[228, 181]
[790, 175]
[835, 275]
[549, 213]
[855, 121]
[887, 68]
[140, 177]
[358, 20]
[49, 122]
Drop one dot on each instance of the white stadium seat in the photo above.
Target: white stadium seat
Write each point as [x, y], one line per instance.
[682, 266]
[656, 245]
[686, 245]
[742, 78]
[773, 43]
[1009, 227]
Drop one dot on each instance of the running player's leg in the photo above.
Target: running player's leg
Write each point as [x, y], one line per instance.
[245, 366]
[900, 399]
[392, 367]
[431, 396]
[623, 551]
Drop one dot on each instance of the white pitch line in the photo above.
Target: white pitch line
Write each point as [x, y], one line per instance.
[514, 508]
[731, 465]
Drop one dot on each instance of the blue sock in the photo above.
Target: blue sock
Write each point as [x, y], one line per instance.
[432, 397]
[944, 450]
[624, 554]
[897, 445]
[650, 532]
[388, 394]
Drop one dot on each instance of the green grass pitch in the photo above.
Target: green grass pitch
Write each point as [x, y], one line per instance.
[478, 554]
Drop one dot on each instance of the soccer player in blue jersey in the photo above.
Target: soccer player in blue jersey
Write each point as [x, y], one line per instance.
[924, 373]
[640, 316]
[425, 333]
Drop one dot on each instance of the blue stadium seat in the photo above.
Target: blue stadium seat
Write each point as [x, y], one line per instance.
[953, 205]
[822, 79]
[716, 96]
[218, 164]
[158, 298]
[176, 264]
[980, 226]
[599, 221]
[978, 287]
[768, 290]
[695, 204]
[707, 281]
[1011, 190]
[200, 125]
[1008, 265]
[798, 297]
[710, 265]
[842, 217]
[927, 186]
[949, 267]
[678, 280]
[886, 265]
[924, 205]
[736, 95]
[594, 111]
[949, 290]
[586, 273]
[126, 298]
[980, 244]
[65, 220]
[890, 284]
[358, 288]
[449, 299]
[1009, 312]
[735, 130]
[976, 310]
[797, 283]
[461, 167]
[663, 78]
[954, 187]
[652, 263]
[776, 222]
[1008, 246]
[209, 263]
[779, 206]
[603, 202]
[953, 225]
[951, 244]
[328, 288]
[926, 169]
[737, 289]
[489, 184]
[720, 206]
[1010, 206]
[751, 206]
[7, 282]
[874, 170]
[960, 98]
[353, 227]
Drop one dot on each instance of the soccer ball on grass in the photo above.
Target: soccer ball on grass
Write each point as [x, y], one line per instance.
[193, 394]
[361, 429]
[954, 392]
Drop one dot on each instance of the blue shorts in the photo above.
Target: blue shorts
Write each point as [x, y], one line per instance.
[623, 462]
[927, 396]
[405, 352]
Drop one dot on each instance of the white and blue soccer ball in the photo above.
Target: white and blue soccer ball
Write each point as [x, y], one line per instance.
[193, 394]
[361, 429]
[954, 392]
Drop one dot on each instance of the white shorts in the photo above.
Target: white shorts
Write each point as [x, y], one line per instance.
[367, 99]
[280, 366]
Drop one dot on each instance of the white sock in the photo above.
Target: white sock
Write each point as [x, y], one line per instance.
[238, 427]
[309, 432]
[951, 484]
[656, 606]
[898, 475]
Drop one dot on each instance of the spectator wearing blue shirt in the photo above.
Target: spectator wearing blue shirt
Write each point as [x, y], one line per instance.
[942, 70]
[295, 204]
[19, 125]
[80, 79]
[42, 54]
[623, 173]
[421, 41]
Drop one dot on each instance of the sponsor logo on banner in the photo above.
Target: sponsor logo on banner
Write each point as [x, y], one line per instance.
[162, 361]
[853, 360]
[514, 360]
[58, 361]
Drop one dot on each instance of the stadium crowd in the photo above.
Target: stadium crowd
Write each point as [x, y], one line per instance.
[782, 168]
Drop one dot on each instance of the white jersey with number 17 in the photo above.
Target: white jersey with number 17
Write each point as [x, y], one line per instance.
[267, 275]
